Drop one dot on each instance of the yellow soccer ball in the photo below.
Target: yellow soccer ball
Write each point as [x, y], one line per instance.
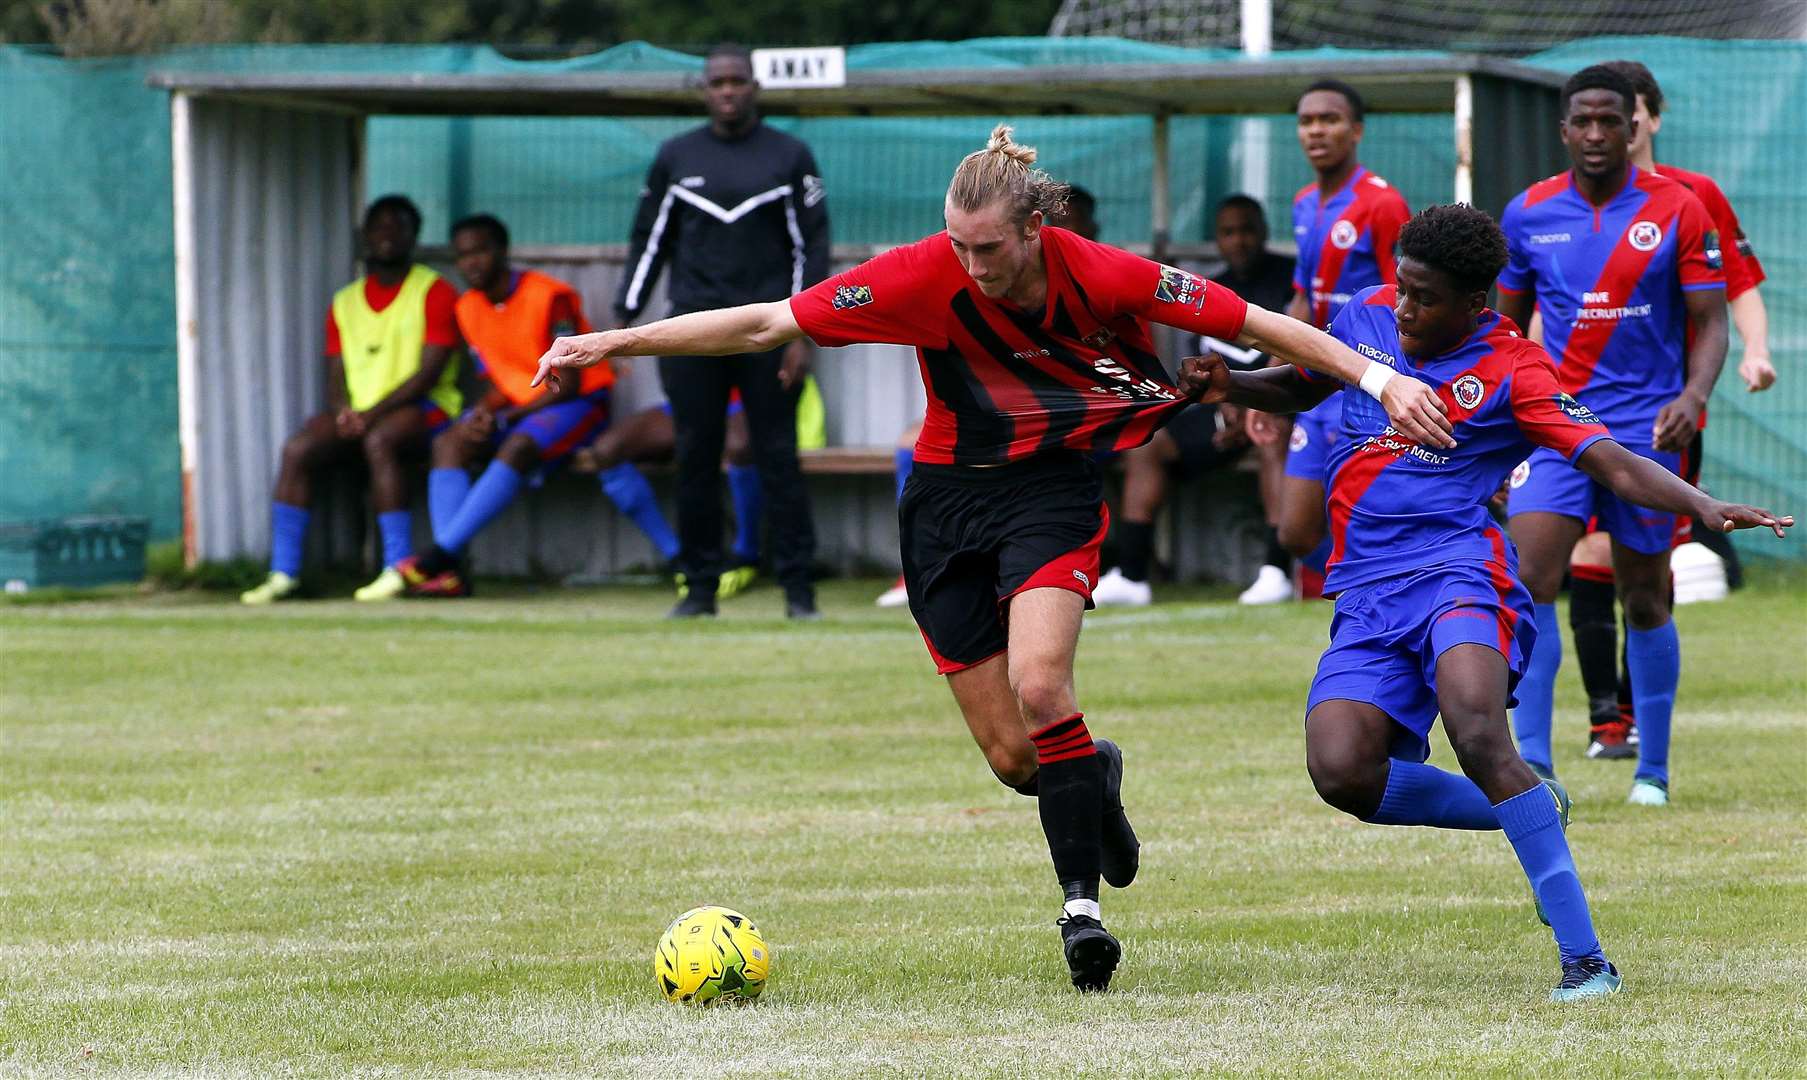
[711, 954]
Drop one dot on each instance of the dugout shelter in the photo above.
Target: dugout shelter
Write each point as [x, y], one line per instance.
[269, 178]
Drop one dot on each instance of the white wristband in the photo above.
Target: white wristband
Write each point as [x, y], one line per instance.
[1375, 379]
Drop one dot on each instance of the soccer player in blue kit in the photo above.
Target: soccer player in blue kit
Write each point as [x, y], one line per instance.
[1620, 262]
[1430, 615]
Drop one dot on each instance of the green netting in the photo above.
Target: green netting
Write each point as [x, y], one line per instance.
[87, 358]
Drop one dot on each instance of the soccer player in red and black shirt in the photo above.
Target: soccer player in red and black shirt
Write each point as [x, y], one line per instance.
[1034, 348]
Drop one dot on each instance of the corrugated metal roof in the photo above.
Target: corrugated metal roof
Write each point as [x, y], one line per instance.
[1391, 84]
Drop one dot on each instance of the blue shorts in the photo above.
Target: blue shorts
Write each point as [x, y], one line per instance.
[1547, 483]
[559, 430]
[1386, 637]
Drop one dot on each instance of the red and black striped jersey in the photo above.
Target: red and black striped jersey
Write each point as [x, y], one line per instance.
[1006, 384]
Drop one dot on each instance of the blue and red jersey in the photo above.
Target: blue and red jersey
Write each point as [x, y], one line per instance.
[1396, 507]
[1609, 281]
[1346, 241]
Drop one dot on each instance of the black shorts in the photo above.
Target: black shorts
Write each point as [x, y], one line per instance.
[973, 538]
[1194, 431]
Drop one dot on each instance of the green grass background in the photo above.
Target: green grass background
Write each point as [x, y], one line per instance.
[442, 839]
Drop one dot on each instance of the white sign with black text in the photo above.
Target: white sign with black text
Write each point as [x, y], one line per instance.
[785, 69]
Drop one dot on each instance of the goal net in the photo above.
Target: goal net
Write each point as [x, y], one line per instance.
[1503, 26]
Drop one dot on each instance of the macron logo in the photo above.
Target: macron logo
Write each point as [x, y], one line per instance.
[1079, 575]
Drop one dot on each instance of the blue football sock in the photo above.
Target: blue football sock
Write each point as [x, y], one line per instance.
[1419, 794]
[397, 530]
[1533, 824]
[1537, 690]
[446, 490]
[1655, 660]
[288, 532]
[905, 461]
[749, 511]
[489, 496]
[633, 496]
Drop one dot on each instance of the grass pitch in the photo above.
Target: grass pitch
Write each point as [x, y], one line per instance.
[442, 839]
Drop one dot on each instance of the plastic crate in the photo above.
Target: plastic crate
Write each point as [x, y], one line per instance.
[74, 551]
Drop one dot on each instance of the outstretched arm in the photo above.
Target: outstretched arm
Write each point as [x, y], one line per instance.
[1414, 408]
[1643, 482]
[749, 328]
[1209, 380]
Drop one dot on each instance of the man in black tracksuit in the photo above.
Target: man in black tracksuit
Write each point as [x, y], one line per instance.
[737, 209]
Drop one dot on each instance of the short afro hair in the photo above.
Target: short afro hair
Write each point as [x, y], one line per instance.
[399, 204]
[1462, 242]
[1600, 77]
[1642, 82]
[1239, 201]
[488, 223]
[1357, 107]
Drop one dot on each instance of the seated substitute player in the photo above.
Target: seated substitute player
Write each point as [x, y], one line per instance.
[1199, 440]
[1620, 262]
[650, 436]
[390, 385]
[1035, 353]
[1612, 714]
[508, 318]
[1430, 617]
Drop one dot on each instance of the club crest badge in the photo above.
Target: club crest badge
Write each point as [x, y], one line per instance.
[1343, 234]
[1644, 235]
[1520, 474]
[1300, 440]
[1715, 257]
[852, 296]
[1468, 391]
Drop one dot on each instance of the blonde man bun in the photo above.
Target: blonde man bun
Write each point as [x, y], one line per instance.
[1005, 172]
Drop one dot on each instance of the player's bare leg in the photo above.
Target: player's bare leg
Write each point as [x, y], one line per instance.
[648, 435]
[307, 450]
[1146, 484]
[645, 437]
[387, 443]
[1544, 541]
[1653, 657]
[1023, 713]
[1472, 690]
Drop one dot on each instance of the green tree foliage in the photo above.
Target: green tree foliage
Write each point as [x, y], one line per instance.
[99, 26]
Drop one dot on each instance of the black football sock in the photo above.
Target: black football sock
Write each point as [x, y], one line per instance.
[1596, 627]
[1031, 787]
[1277, 555]
[1135, 549]
[1071, 803]
[436, 560]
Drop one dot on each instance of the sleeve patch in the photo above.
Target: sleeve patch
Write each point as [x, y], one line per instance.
[1710, 246]
[1576, 411]
[1176, 286]
[852, 296]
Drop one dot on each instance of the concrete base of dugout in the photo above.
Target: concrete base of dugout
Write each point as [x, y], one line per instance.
[568, 530]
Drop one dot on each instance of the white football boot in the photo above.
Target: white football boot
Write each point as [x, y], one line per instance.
[1271, 586]
[1115, 590]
